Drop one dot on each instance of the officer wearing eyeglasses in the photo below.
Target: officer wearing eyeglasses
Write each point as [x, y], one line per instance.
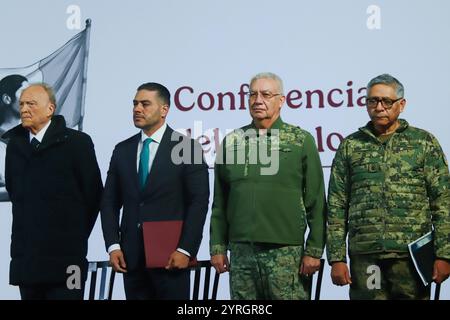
[389, 186]
[268, 188]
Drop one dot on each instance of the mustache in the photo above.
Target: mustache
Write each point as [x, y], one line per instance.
[258, 107]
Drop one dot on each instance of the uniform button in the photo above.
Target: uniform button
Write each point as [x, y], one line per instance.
[138, 225]
[141, 204]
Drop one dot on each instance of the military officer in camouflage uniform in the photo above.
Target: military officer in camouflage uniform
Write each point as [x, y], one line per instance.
[268, 188]
[389, 185]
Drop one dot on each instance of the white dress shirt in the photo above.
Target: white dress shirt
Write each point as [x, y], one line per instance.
[154, 145]
[40, 135]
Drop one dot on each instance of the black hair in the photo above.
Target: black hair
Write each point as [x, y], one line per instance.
[163, 92]
[8, 88]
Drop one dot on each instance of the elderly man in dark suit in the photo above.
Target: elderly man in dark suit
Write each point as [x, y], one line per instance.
[55, 186]
[154, 176]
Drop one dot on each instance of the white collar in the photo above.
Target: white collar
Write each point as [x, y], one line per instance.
[157, 135]
[40, 135]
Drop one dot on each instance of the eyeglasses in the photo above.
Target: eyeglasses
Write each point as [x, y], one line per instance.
[385, 102]
[266, 95]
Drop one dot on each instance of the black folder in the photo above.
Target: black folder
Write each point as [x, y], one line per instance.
[422, 255]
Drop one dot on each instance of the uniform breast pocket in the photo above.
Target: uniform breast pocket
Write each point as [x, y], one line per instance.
[283, 152]
[365, 169]
[285, 156]
[404, 153]
[365, 161]
[407, 159]
[285, 160]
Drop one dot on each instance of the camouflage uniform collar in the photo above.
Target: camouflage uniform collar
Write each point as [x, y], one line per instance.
[403, 125]
[278, 124]
[368, 128]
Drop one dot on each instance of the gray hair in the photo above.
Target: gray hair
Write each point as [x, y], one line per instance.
[47, 88]
[269, 75]
[388, 80]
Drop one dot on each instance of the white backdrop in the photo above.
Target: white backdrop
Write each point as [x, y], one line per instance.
[326, 49]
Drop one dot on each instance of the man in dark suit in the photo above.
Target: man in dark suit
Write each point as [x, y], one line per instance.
[157, 174]
[55, 186]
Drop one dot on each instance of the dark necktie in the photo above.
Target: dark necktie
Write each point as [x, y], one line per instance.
[35, 143]
[143, 162]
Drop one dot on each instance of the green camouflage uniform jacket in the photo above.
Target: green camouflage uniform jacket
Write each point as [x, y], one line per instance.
[255, 201]
[387, 195]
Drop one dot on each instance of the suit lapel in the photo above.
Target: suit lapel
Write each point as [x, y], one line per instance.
[24, 145]
[131, 160]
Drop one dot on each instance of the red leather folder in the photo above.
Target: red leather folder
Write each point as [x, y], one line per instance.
[160, 241]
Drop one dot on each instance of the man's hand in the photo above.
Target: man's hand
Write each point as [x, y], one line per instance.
[177, 260]
[117, 261]
[309, 265]
[220, 263]
[441, 270]
[340, 274]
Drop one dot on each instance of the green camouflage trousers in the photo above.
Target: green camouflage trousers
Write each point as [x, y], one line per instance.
[375, 277]
[266, 272]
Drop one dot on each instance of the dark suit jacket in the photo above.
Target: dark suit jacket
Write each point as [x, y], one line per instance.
[55, 193]
[173, 192]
